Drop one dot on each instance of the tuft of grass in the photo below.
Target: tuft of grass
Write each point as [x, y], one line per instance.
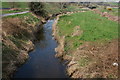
[94, 27]
[8, 51]
[17, 41]
[31, 18]
[112, 76]
[83, 61]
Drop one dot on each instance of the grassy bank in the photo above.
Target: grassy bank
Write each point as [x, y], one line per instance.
[29, 18]
[89, 41]
[94, 28]
[17, 35]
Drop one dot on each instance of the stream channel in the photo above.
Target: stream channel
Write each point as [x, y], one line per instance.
[42, 62]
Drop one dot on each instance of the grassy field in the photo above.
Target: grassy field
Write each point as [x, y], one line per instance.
[90, 41]
[94, 29]
[15, 4]
[28, 17]
[114, 11]
[113, 3]
[21, 5]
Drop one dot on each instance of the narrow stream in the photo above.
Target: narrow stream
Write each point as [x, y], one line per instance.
[42, 62]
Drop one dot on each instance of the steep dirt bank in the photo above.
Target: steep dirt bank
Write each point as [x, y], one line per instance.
[17, 37]
[91, 59]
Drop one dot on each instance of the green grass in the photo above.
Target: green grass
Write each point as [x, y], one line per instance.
[30, 18]
[23, 35]
[113, 3]
[84, 61]
[113, 12]
[94, 27]
[13, 11]
[21, 5]
[8, 51]
[15, 4]
[20, 39]
[72, 8]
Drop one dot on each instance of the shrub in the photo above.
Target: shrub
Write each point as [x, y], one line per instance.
[110, 9]
[38, 8]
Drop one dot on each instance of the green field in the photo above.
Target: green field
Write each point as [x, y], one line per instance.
[113, 3]
[23, 6]
[114, 11]
[14, 4]
[94, 27]
[29, 18]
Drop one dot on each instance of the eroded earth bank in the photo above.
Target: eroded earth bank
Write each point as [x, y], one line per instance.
[18, 34]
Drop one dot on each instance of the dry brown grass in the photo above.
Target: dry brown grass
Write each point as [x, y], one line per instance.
[97, 60]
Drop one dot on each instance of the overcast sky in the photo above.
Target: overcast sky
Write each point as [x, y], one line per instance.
[60, 0]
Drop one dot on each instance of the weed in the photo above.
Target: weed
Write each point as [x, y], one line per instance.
[83, 61]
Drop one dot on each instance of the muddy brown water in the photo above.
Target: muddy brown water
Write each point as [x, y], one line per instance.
[42, 62]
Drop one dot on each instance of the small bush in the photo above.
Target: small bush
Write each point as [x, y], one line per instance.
[38, 8]
[110, 9]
